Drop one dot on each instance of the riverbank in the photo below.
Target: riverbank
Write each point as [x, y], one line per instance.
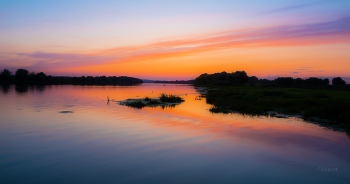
[330, 108]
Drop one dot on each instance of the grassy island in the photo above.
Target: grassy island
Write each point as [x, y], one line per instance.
[163, 100]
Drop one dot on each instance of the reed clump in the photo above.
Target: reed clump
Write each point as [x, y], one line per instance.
[170, 98]
[164, 100]
[151, 101]
[135, 103]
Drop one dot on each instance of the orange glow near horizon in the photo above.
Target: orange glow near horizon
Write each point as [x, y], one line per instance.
[296, 51]
[258, 62]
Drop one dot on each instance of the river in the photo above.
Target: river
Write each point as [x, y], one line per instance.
[73, 134]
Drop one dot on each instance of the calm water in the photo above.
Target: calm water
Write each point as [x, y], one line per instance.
[70, 134]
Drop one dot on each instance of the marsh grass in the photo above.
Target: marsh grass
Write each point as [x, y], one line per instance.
[136, 104]
[170, 98]
[147, 101]
[150, 101]
[153, 102]
[328, 106]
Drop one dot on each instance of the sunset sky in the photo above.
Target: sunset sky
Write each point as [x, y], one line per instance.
[168, 39]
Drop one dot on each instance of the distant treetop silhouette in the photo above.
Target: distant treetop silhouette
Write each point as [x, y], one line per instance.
[338, 81]
[22, 76]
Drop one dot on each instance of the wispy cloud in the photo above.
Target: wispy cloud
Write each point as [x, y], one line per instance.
[336, 31]
[316, 71]
[288, 8]
[304, 69]
[58, 60]
[270, 77]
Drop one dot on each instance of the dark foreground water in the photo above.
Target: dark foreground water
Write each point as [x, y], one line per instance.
[71, 134]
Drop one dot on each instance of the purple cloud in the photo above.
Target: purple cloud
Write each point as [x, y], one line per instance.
[293, 35]
[269, 77]
[289, 8]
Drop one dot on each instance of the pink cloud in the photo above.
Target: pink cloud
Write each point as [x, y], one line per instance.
[336, 31]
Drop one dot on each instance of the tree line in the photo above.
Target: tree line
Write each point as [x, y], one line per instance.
[175, 82]
[22, 76]
[222, 79]
[241, 78]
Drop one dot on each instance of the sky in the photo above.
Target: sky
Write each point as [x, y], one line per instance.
[176, 40]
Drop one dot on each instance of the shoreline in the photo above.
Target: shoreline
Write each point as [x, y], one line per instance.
[328, 108]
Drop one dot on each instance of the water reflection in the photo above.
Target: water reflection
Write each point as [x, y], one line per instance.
[21, 89]
[68, 134]
[161, 106]
[5, 88]
[37, 88]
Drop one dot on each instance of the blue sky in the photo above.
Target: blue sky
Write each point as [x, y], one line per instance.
[88, 27]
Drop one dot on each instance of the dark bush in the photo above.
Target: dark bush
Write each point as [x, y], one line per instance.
[5, 76]
[338, 81]
[21, 76]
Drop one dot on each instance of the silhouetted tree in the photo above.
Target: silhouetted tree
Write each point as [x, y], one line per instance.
[253, 80]
[298, 81]
[21, 76]
[338, 81]
[284, 81]
[326, 81]
[5, 76]
[31, 77]
[6, 72]
[313, 81]
[48, 79]
[222, 79]
[40, 78]
[242, 77]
